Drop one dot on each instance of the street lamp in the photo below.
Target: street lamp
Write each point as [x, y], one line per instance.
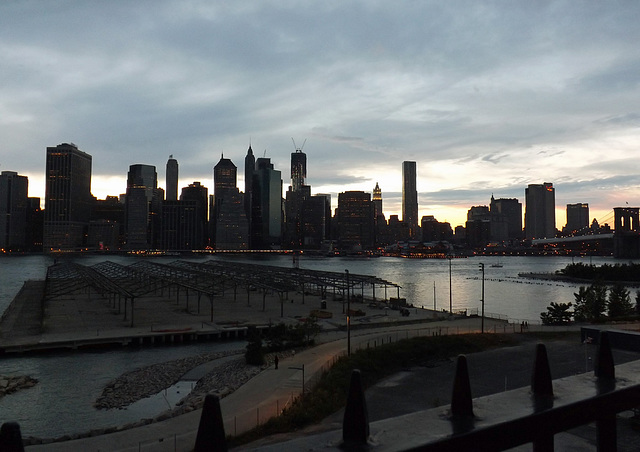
[450, 291]
[482, 321]
[348, 316]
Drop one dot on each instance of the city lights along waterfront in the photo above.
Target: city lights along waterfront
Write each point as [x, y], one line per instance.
[70, 406]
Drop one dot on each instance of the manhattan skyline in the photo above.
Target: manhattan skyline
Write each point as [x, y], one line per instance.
[486, 98]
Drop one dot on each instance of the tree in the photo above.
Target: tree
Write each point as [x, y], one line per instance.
[557, 314]
[619, 303]
[590, 303]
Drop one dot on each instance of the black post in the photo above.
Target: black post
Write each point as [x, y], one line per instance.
[348, 316]
[482, 319]
[450, 291]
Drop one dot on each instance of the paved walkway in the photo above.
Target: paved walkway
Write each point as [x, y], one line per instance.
[258, 399]
[75, 319]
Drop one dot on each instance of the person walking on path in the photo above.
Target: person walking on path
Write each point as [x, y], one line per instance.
[276, 360]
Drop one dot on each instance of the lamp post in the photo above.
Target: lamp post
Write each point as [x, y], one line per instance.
[348, 316]
[482, 318]
[450, 291]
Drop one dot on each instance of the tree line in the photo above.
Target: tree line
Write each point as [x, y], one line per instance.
[595, 303]
[616, 272]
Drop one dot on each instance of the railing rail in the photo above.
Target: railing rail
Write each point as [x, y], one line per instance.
[497, 422]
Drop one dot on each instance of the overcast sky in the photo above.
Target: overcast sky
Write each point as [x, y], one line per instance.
[486, 97]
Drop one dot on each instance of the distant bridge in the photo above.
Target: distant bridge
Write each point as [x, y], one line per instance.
[625, 238]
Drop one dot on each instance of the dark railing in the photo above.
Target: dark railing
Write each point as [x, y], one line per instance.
[498, 422]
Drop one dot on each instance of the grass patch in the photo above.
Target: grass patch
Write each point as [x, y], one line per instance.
[330, 394]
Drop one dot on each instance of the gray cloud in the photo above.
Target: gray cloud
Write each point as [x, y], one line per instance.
[497, 95]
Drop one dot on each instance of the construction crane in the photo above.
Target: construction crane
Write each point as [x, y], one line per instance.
[296, 147]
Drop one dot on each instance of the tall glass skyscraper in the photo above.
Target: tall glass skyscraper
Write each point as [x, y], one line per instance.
[410, 197]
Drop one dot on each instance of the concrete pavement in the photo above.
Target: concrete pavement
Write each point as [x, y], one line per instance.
[261, 397]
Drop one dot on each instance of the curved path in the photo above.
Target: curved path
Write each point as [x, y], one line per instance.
[262, 396]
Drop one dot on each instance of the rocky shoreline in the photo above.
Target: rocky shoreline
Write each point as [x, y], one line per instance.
[11, 384]
[149, 380]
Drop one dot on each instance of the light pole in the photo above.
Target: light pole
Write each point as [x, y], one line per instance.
[482, 318]
[450, 291]
[348, 316]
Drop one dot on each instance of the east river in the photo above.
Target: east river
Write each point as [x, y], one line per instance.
[62, 402]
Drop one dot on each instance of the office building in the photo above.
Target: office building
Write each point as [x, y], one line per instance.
[230, 224]
[355, 221]
[171, 176]
[249, 170]
[198, 194]
[540, 211]
[298, 169]
[225, 176]
[67, 198]
[478, 226]
[435, 231]
[266, 220]
[377, 201]
[107, 226]
[297, 195]
[14, 211]
[506, 219]
[577, 219]
[143, 208]
[410, 197]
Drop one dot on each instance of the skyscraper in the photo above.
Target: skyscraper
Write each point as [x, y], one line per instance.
[377, 201]
[296, 197]
[355, 220]
[67, 197]
[577, 218]
[171, 176]
[409, 197]
[225, 176]
[506, 219]
[298, 169]
[143, 205]
[14, 205]
[230, 226]
[540, 211]
[266, 222]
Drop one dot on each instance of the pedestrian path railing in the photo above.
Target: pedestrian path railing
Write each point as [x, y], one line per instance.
[499, 422]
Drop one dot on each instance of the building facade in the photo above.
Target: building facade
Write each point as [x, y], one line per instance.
[577, 218]
[410, 197]
[230, 224]
[14, 211]
[267, 213]
[143, 208]
[506, 219]
[171, 176]
[68, 198]
[540, 211]
[355, 221]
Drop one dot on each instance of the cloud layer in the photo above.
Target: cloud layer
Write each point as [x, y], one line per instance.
[486, 97]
